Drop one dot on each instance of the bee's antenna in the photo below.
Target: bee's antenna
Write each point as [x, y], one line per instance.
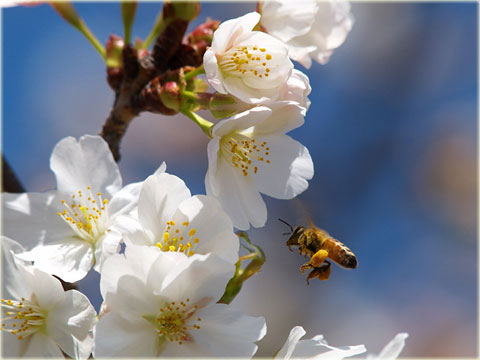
[286, 223]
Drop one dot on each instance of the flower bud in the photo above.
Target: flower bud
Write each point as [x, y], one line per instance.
[114, 49]
[224, 105]
[201, 37]
[170, 95]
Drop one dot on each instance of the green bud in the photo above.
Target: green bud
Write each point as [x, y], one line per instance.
[170, 95]
[199, 85]
[257, 259]
[223, 105]
[114, 49]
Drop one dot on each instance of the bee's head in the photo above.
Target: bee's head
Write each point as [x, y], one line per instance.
[298, 231]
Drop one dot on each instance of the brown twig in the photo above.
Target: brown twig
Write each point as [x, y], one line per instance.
[139, 82]
[10, 181]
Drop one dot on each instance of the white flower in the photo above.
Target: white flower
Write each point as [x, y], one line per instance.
[250, 65]
[309, 28]
[392, 349]
[70, 226]
[164, 304]
[315, 348]
[170, 219]
[250, 153]
[39, 319]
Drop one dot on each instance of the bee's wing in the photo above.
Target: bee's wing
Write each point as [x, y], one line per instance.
[303, 209]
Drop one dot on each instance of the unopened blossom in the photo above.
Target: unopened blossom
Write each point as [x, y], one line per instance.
[392, 350]
[315, 348]
[250, 65]
[310, 29]
[163, 304]
[68, 230]
[169, 218]
[250, 154]
[40, 319]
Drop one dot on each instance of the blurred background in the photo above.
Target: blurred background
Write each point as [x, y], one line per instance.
[393, 134]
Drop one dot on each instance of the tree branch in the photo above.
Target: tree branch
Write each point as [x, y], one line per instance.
[10, 181]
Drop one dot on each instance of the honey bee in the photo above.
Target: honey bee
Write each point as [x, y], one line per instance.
[318, 245]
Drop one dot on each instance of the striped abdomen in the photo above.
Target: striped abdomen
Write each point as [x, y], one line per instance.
[339, 253]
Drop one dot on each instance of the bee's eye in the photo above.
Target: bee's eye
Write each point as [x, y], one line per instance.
[298, 230]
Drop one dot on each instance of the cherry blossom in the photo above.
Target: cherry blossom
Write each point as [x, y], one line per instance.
[250, 65]
[164, 304]
[68, 230]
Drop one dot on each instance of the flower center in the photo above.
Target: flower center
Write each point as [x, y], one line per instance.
[246, 60]
[179, 238]
[22, 318]
[244, 152]
[87, 215]
[175, 320]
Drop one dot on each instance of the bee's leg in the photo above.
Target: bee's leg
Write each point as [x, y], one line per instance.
[306, 266]
[318, 258]
[292, 242]
[322, 272]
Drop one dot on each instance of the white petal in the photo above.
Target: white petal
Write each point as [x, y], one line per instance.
[132, 231]
[133, 298]
[213, 227]
[287, 349]
[250, 95]
[297, 89]
[286, 116]
[334, 21]
[125, 200]
[159, 198]
[212, 71]
[317, 349]
[115, 336]
[279, 65]
[287, 19]
[69, 259]
[198, 277]
[392, 349]
[332, 24]
[228, 31]
[228, 332]
[212, 150]
[189, 350]
[70, 324]
[239, 197]
[242, 121]
[47, 289]
[13, 286]
[137, 261]
[31, 218]
[289, 169]
[87, 162]
[11, 346]
[41, 346]
[300, 49]
[105, 247]
[161, 169]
